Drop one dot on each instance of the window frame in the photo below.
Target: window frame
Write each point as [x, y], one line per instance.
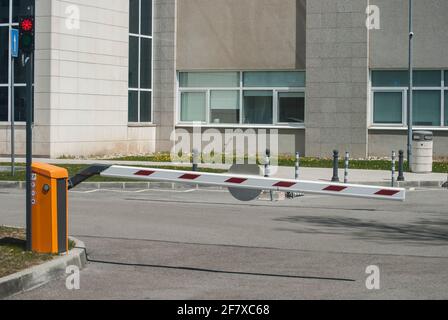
[404, 112]
[241, 88]
[442, 88]
[10, 25]
[139, 36]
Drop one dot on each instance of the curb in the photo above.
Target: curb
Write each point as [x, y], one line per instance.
[37, 276]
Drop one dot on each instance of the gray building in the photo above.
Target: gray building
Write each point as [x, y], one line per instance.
[120, 76]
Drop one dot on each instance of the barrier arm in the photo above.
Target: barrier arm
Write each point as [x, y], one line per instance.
[85, 175]
[241, 181]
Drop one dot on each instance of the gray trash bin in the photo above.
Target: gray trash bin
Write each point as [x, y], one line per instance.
[422, 146]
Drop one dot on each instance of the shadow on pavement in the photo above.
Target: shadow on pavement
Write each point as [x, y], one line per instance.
[422, 230]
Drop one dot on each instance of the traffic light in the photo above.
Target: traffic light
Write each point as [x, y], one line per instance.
[26, 34]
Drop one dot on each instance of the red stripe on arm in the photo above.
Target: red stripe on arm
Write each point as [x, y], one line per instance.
[189, 176]
[144, 173]
[236, 180]
[335, 188]
[283, 184]
[387, 192]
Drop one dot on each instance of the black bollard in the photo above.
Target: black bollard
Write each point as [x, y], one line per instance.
[401, 166]
[267, 164]
[335, 166]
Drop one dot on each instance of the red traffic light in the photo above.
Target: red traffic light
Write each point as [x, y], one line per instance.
[26, 25]
[26, 34]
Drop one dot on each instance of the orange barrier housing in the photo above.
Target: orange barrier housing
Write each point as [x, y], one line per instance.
[49, 219]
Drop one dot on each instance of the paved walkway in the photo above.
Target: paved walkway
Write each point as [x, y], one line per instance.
[323, 174]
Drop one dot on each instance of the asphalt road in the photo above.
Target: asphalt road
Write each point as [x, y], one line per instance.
[205, 245]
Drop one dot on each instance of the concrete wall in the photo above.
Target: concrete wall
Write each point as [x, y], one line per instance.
[42, 116]
[389, 45]
[240, 35]
[337, 74]
[164, 86]
[383, 142]
[81, 79]
[89, 82]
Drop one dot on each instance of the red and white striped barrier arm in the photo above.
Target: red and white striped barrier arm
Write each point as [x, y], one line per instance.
[254, 182]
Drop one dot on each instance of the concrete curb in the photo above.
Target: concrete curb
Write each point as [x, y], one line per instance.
[37, 276]
[176, 186]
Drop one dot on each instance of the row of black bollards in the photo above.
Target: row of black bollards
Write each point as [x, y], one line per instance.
[335, 177]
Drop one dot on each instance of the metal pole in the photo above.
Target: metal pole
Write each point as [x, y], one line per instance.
[267, 169]
[400, 166]
[195, 159]
[411, 84]
[347, 159]
[297, 172]
[393, 168]
[13, 152]
[29, 145]
[335, 166]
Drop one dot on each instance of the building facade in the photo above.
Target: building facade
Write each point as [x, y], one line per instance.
[120, 76]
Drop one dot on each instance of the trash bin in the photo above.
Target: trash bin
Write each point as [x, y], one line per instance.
[422, 157]
[49, 209]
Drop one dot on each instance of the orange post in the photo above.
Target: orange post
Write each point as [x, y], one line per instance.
[49, 219]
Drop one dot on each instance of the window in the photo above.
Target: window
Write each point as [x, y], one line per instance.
[4, 55]
[10, 11]
[274, 79]
[242, 98]
[193, 106]
[427, 78]
[258, 107]
[390, 78]
[4, 103]
[446, 99]
[225, 106]
[390, 97]
[422, 78]
[209, 79]
[427, 111]
[446, 108]
[4, 11]
[291, 107]
[388, 107]
[140, 61]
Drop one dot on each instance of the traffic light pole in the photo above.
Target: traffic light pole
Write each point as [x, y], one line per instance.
[13, 151]
[28, 59]
[410, 119]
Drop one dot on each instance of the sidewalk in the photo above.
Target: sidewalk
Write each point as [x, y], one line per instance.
[375, 177]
